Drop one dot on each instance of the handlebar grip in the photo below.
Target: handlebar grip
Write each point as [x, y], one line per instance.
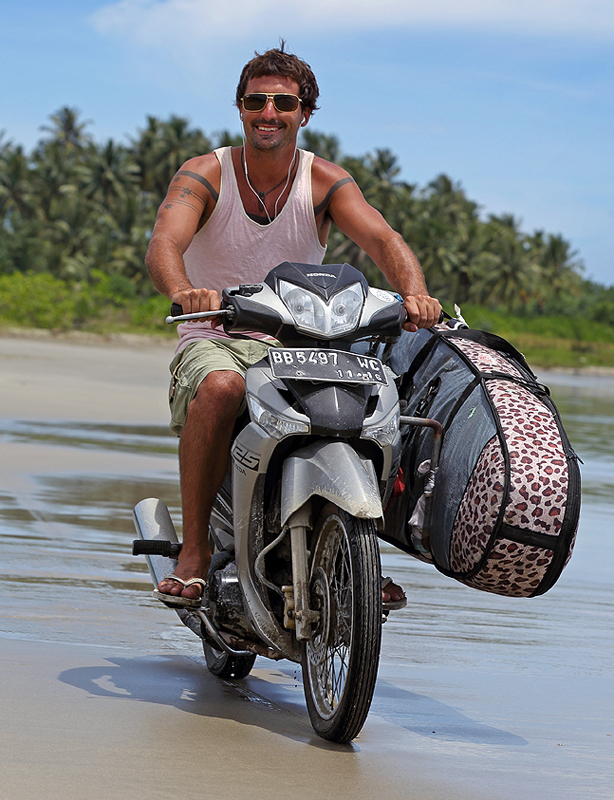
[442, 316]
[176, 310]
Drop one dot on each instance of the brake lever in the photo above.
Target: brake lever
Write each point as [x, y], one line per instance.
[221, 312]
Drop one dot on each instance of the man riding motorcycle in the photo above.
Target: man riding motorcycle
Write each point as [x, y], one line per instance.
[228, 218]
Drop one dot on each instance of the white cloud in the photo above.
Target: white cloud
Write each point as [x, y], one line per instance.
[156, 22]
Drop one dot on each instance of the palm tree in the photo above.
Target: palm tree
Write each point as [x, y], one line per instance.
[443, 228]
[142, 152]
[15, 188]
[322, 145]
[110, 174]
[376, 175]
[161, 150]
[562, 272]
[67, 131]
[512, 279]
[79, 210]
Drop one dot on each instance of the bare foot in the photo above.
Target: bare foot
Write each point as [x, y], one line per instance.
[186, 568]
[391, 592]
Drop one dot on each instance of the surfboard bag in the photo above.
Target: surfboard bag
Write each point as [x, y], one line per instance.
[504, 512]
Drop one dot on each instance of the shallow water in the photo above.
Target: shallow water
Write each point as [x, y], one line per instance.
[488, 679]
[570, 627]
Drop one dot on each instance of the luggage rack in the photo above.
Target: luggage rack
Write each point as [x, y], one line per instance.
[421, 422]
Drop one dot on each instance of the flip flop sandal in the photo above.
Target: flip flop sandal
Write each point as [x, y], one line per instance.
[176, 600]
[392, 605]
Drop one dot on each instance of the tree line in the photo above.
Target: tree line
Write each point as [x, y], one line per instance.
[82, 212]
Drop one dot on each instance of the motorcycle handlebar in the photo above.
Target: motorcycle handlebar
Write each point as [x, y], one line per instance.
[177, 314]
[442, 316]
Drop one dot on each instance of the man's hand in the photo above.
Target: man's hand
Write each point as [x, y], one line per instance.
[423, 311]
[194, 300]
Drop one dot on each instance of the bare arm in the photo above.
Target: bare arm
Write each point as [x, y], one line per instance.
[189, 201]
[366, 226]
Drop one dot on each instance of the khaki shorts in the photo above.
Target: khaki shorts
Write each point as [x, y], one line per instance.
[191, 366]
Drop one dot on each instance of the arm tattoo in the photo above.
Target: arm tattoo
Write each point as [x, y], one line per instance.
[181, 195]
[324, 204]
[200, 179]
[180, 202]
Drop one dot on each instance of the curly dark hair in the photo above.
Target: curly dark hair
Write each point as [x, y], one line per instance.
[278, 62]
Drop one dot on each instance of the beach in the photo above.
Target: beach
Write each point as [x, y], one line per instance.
[104, 693]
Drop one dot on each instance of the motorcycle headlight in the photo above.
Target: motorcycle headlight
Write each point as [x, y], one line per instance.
[385, 431]
[312, 314]
[276, 425]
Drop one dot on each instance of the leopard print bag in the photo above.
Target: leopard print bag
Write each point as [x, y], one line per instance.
[504, 513]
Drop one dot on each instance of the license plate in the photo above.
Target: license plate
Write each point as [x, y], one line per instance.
[325, 365]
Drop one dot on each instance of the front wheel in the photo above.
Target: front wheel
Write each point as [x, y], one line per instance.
[340, 662]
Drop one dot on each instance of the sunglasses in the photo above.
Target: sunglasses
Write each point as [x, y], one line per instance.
[285, 103]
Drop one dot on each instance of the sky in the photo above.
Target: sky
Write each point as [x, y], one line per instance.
[513, 99]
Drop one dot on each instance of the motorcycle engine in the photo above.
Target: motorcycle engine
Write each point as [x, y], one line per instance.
[226, 601]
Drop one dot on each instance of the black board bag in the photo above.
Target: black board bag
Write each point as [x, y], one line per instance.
[504, 513]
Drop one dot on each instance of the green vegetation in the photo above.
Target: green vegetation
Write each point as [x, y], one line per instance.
[76, 215]
[549, 340]
[107, 303]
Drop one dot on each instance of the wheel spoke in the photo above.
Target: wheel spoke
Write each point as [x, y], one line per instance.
[333, 662]
[338, 665]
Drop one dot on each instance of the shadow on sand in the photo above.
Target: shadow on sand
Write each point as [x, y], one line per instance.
[427, 717]
[186, 685]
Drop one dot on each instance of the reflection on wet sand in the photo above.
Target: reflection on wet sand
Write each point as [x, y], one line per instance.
[128, 438]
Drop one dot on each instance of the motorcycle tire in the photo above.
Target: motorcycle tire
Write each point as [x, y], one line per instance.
[223, 665]
[340, 662]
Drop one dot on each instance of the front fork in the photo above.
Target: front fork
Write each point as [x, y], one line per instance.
[297, 613]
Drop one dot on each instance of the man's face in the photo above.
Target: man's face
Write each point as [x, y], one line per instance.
[271, 129]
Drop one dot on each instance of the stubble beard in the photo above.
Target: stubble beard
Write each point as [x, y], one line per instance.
[260, 142]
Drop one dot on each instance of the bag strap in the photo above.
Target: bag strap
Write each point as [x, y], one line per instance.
[490, 340]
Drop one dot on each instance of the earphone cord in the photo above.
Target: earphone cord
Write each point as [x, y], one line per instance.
[259, 194]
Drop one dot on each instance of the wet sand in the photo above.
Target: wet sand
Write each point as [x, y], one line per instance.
[85, 379]
[105, 694]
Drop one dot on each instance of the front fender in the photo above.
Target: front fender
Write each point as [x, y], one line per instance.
[335, 471]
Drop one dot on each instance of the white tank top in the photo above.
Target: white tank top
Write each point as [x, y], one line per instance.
[231, 248]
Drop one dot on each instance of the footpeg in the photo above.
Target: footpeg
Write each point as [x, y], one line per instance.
[156, 547]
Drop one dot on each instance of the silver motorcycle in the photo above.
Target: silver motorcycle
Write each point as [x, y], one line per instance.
[295, 571]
